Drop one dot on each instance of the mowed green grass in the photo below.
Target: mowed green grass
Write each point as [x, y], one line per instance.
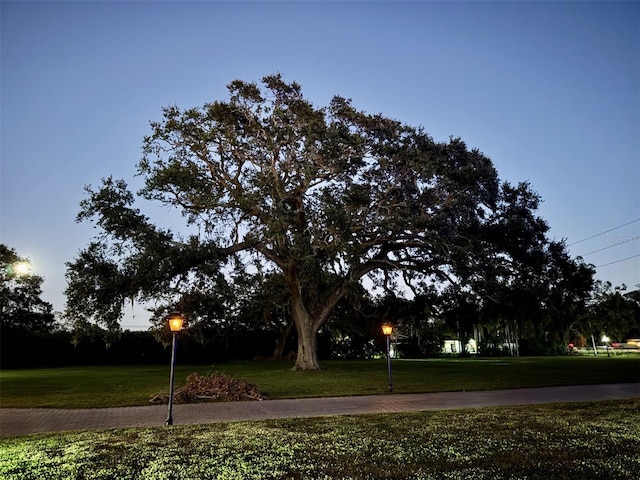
[91, 387]
[586, 441]
[590, 440]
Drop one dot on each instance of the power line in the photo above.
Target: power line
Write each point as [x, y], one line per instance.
[611, 246]
[618, 261]
[606, 231]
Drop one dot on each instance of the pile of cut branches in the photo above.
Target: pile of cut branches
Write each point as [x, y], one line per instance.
[216, 387]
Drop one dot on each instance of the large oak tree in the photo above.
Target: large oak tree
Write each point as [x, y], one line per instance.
[326, 196]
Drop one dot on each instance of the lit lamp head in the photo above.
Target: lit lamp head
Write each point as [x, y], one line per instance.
[22, 268]
[176, 321]
[387, 329]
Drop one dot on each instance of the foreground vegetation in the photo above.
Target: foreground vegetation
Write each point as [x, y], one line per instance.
[574, 441]
[89, 387]
[590, 440]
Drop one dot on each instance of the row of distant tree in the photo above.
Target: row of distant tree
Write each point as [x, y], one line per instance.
[258, 326]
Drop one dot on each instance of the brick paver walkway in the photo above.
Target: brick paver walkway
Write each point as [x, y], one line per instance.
[14, 421]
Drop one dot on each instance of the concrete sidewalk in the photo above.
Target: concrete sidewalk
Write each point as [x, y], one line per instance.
[15, 422]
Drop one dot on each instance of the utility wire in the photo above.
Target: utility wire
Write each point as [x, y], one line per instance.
[618, 261]
[611, 246]
[606, 231]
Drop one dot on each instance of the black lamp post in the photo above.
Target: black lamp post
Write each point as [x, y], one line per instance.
[176, 320]
[387, 329]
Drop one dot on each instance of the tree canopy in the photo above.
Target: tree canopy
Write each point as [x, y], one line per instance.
[21, 306]
[325, 196]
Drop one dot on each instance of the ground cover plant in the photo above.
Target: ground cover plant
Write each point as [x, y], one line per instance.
[590, 440]
[91, 387]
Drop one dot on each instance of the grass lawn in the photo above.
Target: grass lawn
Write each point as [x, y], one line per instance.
[591, 440]
[585, 441]
[90, 387]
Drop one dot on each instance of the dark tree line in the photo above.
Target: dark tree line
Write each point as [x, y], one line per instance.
[253, 321]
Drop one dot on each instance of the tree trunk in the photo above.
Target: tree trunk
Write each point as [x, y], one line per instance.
[307, 325]
[307, 357]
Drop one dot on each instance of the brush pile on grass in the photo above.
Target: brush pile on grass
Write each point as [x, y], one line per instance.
[216, 387]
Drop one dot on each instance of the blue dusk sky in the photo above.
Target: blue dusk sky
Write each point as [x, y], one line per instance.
[550, 91]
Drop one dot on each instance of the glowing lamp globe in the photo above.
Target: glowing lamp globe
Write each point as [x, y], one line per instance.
[176, 321]
[22, 268]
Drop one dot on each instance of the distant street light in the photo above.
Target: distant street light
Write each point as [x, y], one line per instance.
[387, 329]
[22, 268]
[606, 341]
[176, 321]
